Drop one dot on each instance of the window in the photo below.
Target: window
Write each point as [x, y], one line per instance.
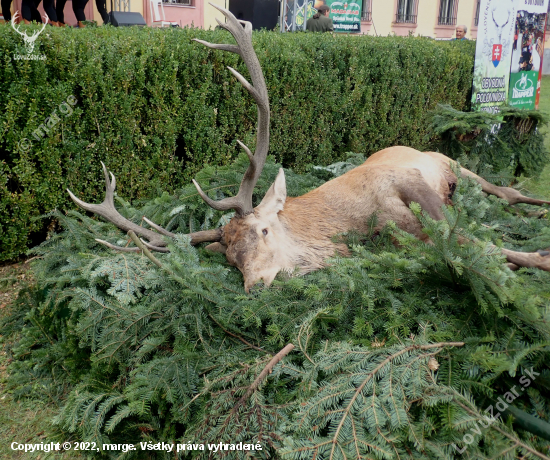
[476, 17]
[366, 15]
[447, 12]
[407, 11]
[179, 2]
[548, 25]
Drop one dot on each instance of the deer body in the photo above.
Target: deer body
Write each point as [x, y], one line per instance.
[296, 233]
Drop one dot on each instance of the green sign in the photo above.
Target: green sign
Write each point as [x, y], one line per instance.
[310, 11]
[523, 89]
[346, 16]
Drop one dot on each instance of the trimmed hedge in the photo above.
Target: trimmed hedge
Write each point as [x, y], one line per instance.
[156, 107]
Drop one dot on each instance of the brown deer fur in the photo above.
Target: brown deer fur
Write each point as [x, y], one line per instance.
[298, 231]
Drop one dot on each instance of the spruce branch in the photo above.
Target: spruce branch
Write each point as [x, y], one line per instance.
[144, 249]
[153, 259]
[238, 336]
[371, 374]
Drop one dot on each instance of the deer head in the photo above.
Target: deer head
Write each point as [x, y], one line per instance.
[523, 81]
[29, 41]
[249, 240]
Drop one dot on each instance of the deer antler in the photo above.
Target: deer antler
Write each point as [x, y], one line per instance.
[242, 202]
[13, 19]
[108, 211]
[36, 34]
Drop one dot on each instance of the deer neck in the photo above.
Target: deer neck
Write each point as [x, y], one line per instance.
[309, 225]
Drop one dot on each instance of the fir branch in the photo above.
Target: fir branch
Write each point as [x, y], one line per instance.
[144, 249]
[371, 374]
[237, 336]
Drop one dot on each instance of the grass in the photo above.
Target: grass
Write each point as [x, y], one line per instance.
[540, 186]
[25, 421]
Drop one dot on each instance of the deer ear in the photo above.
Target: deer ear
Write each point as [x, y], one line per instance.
[274, 199]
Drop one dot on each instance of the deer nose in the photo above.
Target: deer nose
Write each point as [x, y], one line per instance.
[251, 280]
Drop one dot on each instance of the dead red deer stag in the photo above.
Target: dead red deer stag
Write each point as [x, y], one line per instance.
[288, 233]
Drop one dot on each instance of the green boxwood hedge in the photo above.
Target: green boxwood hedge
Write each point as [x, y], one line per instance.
[156, 107]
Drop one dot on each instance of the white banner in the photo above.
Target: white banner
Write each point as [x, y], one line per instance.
[495, 38]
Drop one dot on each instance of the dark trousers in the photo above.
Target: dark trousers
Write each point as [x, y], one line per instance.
[49, 8]
[29, 10]
[78, 8]
[59, 7]
[102, 8]
[6, 4]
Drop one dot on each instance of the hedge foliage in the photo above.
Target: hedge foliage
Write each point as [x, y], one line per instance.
[156, 107]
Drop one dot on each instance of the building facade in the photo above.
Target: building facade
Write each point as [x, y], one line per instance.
[197, 13]
[431, 18]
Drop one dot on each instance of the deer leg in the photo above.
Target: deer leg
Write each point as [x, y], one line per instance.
[506, 193]
[509, 194]
[539, 259]
[417, 190]
[431, 203]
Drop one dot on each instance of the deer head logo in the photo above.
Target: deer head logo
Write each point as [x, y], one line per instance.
[29, 41]
[500, 23]
[523, 82]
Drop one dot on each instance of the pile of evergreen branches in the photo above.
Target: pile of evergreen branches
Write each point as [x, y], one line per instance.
[408, 351]
[509, 142]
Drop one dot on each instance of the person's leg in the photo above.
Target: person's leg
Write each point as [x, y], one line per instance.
[102, 8]
[59, 7]
[6, 5]
[35, 13]
[78, 9]
[49, 8]
[29, 11]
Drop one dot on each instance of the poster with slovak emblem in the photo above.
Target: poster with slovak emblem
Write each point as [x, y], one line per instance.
[493, 54]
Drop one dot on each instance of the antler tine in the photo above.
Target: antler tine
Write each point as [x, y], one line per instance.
[225, 204]
[47, 18]
[118, 248]
[154, 248]
[221, 46]
[242, 202]
[108, 211]
[13, 19]
[202, 236]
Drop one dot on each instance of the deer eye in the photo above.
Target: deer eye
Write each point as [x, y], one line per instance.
[264, 231]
